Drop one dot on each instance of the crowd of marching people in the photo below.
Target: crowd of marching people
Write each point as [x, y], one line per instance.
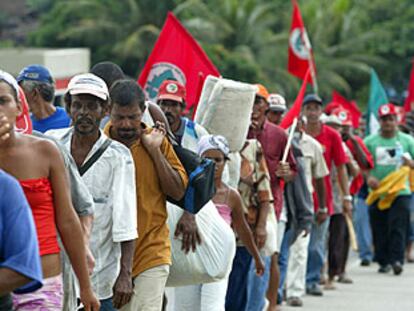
[97, 198]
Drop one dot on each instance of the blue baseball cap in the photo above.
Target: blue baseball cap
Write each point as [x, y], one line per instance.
[312, 98]
[37, 73]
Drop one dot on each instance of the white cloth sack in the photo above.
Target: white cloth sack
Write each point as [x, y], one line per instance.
[270, 246]
[225, 108]
[233, 167]
[213, 258]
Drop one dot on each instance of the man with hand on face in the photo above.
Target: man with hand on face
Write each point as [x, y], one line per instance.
[171, 100]
[391, 149]
[159, 174]
[334, 153]
[111, 181]
[273, 140]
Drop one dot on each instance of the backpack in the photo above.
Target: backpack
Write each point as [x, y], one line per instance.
[201, 187]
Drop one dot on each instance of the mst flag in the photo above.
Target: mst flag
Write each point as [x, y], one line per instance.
[300, 50]
[176, 55]
[377, 97]
[351, 106]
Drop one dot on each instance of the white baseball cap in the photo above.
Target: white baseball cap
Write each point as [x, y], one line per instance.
[277, 102]
[88, 83]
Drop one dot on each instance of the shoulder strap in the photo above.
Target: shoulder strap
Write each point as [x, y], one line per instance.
[191, 125]
[83, 169]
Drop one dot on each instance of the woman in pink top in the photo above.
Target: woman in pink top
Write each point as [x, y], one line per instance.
[206, 297]
[227, 200]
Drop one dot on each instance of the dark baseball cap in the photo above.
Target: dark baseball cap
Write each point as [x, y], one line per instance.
[37, 73]
[312, 98]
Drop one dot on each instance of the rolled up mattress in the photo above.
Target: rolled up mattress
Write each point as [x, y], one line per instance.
[225, 108]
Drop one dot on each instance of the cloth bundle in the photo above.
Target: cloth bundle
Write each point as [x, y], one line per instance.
[389, 188]
[213, 258]
[225, 108]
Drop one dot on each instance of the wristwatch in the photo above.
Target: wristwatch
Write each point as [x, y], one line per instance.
[323, 210]
[348, 198]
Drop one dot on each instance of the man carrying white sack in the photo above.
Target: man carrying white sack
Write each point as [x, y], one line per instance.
[171, 99]
[273, 140]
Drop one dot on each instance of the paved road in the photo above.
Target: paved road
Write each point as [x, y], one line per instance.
[371, 291]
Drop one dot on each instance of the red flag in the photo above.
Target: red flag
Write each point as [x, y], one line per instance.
[351, 106]
[176, 55]
[409, 101]
[296, 108]
[23, 121]
[300, 50]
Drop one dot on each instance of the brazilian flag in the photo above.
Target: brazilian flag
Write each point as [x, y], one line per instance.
[377, 97]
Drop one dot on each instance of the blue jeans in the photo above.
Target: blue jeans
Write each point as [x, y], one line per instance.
[257, 286]
[236, 297]
[283, 263]
[106, 305]
[363, 229]
[317, 251]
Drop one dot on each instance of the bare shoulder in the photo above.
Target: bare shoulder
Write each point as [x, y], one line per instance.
[41, 146]
[234, 195]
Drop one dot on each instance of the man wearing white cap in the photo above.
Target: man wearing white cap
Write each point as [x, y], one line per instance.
[277, 108]
[107, 168]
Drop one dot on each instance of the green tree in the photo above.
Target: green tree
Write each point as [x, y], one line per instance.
[121, 31]
[247, 39]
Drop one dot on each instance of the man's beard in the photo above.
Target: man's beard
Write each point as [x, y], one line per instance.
[81, 123]
[127, 133]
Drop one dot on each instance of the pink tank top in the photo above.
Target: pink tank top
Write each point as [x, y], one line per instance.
[225, 212]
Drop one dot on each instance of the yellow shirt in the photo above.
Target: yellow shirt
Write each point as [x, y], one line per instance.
[152, 247]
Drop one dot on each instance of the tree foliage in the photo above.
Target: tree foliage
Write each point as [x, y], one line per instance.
[246, 39]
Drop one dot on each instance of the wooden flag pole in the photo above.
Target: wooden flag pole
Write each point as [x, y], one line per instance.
[352, 235]
[290, 137]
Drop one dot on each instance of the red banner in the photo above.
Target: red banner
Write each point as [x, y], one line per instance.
[409, 101]
[176, 55]
[351, 106]
[296, 108]
[300, 50]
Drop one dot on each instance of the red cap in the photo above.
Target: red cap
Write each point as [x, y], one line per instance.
[172, 90]
[343, 115]
[23, 121]
[331, 107]
[387, 110]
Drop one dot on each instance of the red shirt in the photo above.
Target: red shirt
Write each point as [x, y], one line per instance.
[334, 153]
[358, 181]
[273, 140]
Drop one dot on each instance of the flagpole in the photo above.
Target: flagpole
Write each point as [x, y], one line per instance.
[313, 74]
[311, 64]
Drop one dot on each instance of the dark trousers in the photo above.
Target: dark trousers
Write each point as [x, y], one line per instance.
[6, 303]
[236, 297]
[389, 229]
[338, 245]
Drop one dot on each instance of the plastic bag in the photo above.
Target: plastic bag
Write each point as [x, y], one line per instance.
[213, 258]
